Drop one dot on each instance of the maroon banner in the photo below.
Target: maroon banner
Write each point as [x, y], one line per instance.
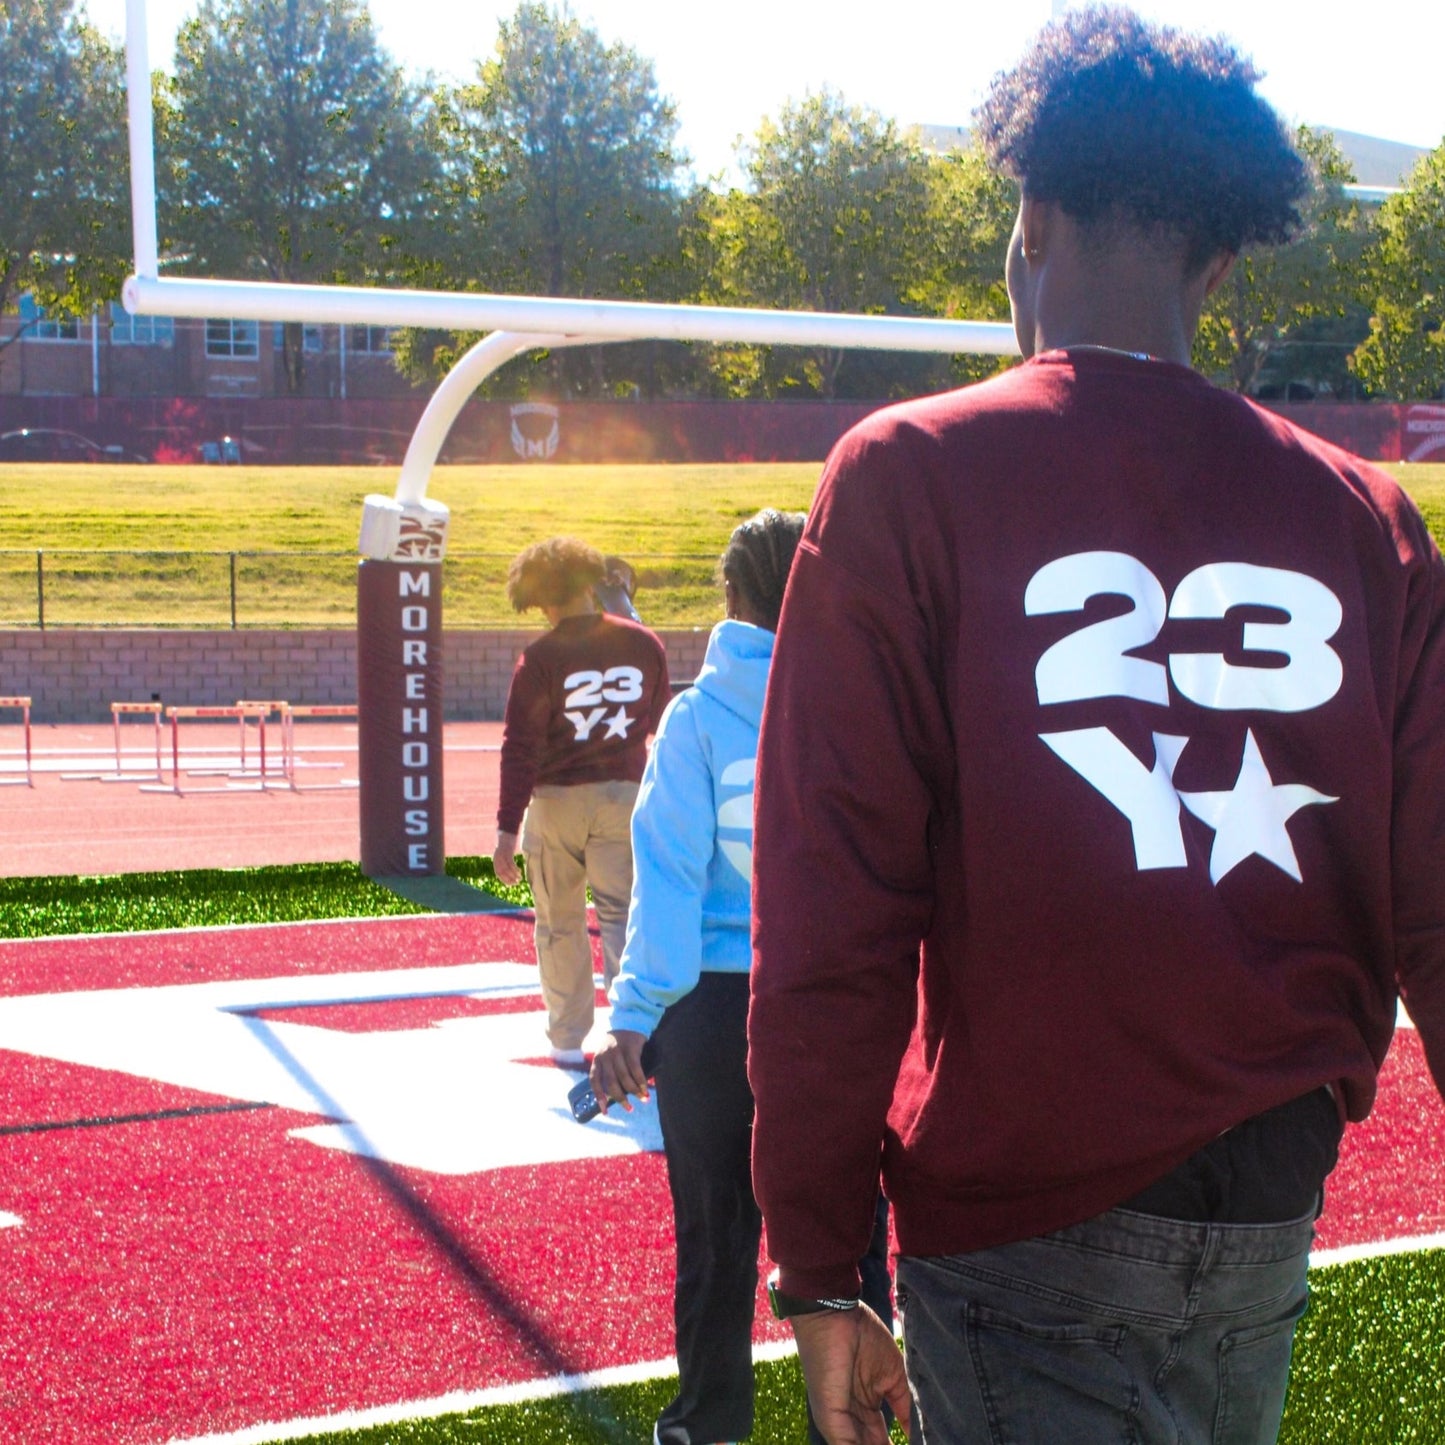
[399, 722]
[318, 431]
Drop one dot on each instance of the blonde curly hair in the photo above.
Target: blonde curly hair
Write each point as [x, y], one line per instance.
[553, 573]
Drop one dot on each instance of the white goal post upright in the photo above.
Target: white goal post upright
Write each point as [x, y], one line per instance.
[403, 537]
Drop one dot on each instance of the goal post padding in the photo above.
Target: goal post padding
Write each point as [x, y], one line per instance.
[399, 717]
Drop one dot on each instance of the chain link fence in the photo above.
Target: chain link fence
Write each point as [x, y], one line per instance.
[61, 587]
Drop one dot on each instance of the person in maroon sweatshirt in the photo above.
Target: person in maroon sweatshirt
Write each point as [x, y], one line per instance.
[1100, 815]
[583, 701]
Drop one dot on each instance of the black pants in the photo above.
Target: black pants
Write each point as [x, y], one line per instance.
[706, 1111]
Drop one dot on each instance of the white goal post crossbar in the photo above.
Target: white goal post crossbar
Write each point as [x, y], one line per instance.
[518, 323]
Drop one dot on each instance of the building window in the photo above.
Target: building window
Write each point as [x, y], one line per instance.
[238, 340]
[39, 329]
[311, 339]
[374, 340]
[128, 330]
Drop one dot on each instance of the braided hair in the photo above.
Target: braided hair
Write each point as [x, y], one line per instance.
[758, 557]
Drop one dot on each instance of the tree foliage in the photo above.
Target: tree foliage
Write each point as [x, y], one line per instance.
[1293, 296]
[1404, 354]
[297, 150]
[565, 176]
[833, 217]
[294, 149]
[573, 160]
[971, 212]
[64, 219]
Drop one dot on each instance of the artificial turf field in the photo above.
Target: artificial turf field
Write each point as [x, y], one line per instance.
[262, 1181]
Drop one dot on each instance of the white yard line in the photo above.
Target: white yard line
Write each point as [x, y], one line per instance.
[462, 1400]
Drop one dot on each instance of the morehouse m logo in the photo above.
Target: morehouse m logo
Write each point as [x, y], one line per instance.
[536, 430]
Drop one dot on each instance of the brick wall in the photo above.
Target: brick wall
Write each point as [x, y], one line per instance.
[74, 674]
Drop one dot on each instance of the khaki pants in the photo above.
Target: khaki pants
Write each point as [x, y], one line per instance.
[572, 837]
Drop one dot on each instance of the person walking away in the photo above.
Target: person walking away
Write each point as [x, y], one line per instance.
[684, 986]
[1101, 813]
[583, 700]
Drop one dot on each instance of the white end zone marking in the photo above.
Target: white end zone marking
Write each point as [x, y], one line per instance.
[1353, 1253]
[10, 1221]
[451, 1099]
[461, 1401]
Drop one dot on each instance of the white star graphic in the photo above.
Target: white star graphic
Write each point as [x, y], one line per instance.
[618, 724]
[1251, 817]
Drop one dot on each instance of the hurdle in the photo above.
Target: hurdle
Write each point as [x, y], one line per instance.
[120, 775]
[261, 709]
[178, 714]
[289, 715]
[27, 779]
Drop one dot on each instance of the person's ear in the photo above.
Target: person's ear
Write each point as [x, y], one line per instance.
[1036, 224]
[1216, 273]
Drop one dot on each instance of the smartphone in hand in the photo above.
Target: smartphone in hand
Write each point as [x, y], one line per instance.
[583, 1099]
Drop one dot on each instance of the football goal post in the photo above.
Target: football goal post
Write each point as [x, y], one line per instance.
[403, 536]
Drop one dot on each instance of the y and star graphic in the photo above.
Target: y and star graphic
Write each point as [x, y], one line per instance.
[1250, 818]
[1098, 660]
[618, 724]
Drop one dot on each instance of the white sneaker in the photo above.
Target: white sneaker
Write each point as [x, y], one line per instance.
[568, 1058]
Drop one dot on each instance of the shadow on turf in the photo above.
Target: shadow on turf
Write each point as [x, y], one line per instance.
[470, 1267]
[444, 893]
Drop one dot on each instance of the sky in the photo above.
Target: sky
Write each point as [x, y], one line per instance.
[1375, 70]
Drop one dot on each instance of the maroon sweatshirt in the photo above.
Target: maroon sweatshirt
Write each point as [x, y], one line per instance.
[1101, 804]
[584, 698]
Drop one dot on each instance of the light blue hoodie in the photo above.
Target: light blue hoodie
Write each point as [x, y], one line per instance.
[692, 833]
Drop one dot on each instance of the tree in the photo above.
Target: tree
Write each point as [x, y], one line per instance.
[65, 219]
[971, 210]
[297, 150]
[1404, 354]
[1304, 293]
[564, 161]
[834, 217]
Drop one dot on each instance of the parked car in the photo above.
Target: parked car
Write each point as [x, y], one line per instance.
[49, 444]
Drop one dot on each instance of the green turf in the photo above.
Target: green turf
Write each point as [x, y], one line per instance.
[1370, 1355]
[180, 525]
[130, 902]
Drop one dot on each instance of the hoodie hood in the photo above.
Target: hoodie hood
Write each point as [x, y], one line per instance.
[692, 833]
[734, 669]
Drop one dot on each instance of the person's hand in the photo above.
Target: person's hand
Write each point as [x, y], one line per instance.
[504, 860]
[852, 1365]
[617, 1069]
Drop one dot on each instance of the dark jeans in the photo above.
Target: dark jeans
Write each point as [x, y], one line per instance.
[1126, 1328]
[706, 1110]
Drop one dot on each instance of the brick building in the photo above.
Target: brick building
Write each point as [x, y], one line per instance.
[114, 354]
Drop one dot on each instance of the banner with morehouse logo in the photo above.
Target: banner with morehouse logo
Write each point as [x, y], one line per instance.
[399, 723]
[1425, 434]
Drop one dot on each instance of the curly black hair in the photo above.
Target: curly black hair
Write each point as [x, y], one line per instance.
[758, 558]
[553, 573]
[1120, 121]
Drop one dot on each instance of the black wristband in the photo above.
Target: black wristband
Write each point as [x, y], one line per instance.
[787, 1306]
